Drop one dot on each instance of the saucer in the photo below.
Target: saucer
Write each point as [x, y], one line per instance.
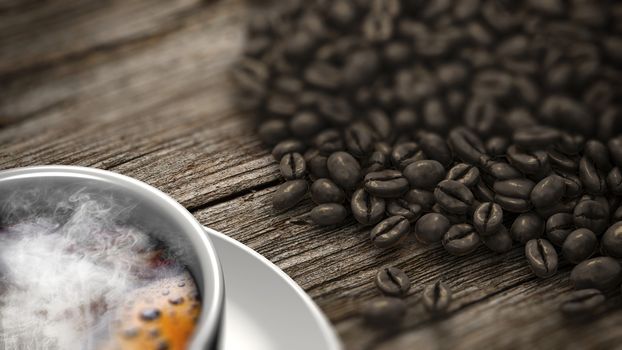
[264, 308]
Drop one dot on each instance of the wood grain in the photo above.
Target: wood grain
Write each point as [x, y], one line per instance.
[141, 88]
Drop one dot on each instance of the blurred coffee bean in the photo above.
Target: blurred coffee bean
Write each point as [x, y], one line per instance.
[436, 298]
[598, 154]
[359, 140]
[542, 257]
[273, 131]
[488, 218]
[614, 181]
[602, 273]
[502, 171]
[582, 302]
[563, 161]
[461, 239]
[305, 124]
[344, 170]
[548, 192]
[513, 195]
[435, 148]
[466, 174]
[405, 120]
[326, 191]
[611, 242]
[431, 227]
[579, 245]
[481, 115]
[316, 163]
[424, 174]
[529, 162]
[287, 146]
[392, 281]
[558, 227]
[499, 242]
[453, 196]
[386, 183]
[384, 312]
[323, 75]
[328, 141]
[328, 214]
[293, 166]
[526, 227]
[289, 194]
[615, 149]
[402, 207]
[466, 146]
[570, 144]
[366, 208]
[497, 146]
[422, 197]
[406, 153]
[592, 215]
[390, 231]
[536, 137]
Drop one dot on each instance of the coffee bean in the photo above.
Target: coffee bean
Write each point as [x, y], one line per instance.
[392, 281]
[453, 196]
[581, 302]
[483, 193]
[328, 214]
[614, 181]
[481, 114]
[344, 170]
[498, 242]
[611, 243]
[293, 166]
[579, 245]
[503, 171]
[359, 140]
[529, 162]
[615, 149]
[570, 144]
[390, 231]
[536, 137]
[366, 208]
[335, 110]
[466, 146]
[436, 298]
[431, 227]
[561, 161]
[424, 174]
[287, 146]
[326, 191]
[526, 227]
[513, 195]
[435, 148]
[592, 215]
[466, 174]
[380, 123]
[422, 197]
[386, 183]
[602, 273]
[328, 141]
[405, 119]
[558, 227]
[598, 154]
[316, 163]
[461, 239]
[406, 153]
[273, 131]
[453, 218]
[488, 218]
[548, 192]
[305, 124]
[289, 194]
[497, 146]
[542, 257]
[573, 185]
[593, 180]
[384, 312]
[323, 75]
[402, 207]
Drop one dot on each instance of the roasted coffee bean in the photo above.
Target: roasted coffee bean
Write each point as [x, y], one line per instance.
[390, 231]
[453, 218]
[424, 174]
[305, 124]
[377, 161]
[384, 312]
[326, 191]
[453, 196]
[406, 153]
[405, 119]
[344, 170]
[558, 227]
[602, 273]
[503, 171]
[386, 183]
[536, 137]
[273, 131]
[380, 123]
[615, 150]
[497, 146]
[513, 195]
[467, 146]
[378, 27]
[335, 110]
[617, 215]
[289, 194]
[481, 114]
[328, 141]
[582, 302]
[566, 206]
[422, 197]
[579, 245]
[593, 180]
[435, 148]
[323, 75]
[328, 214]
[293, 166]
[488, 218]
[611, 242]
[434, 116]
[592, 215]
[542, 257]
[483, 193]
[287, 146]
[529, 162]
[562, 161]
[366, 208]
[392, 281]
[360, 67]
[573, 185]
[436, 298]
[431, 227]
[402, 207]
[570, 144]
[598, 154]
[466, 174]
[461, 239]
[316, 163]
[498, 242]
[526, 227]
[359, 140]
[548, 191]
[614, 181]
[281, 105]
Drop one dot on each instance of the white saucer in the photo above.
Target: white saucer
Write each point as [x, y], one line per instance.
[265, 308]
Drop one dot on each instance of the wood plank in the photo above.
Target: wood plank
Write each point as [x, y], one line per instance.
[160, 111]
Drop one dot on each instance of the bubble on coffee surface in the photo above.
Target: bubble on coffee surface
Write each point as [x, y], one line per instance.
[85, 280]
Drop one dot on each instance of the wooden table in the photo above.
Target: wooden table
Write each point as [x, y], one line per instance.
[141, 88]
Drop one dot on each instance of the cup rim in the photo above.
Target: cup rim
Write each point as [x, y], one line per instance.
[208, 328]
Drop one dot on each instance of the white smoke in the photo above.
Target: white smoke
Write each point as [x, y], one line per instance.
[64, 274]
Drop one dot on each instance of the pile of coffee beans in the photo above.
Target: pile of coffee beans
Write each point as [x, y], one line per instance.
[469, 123]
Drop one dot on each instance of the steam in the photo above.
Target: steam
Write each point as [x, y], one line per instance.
[65, 272]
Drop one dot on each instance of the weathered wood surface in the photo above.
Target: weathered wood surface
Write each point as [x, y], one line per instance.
[140, 87]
